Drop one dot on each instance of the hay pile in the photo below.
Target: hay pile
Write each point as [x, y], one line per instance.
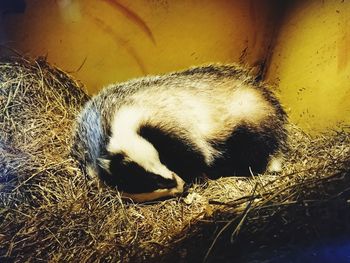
[49, 211]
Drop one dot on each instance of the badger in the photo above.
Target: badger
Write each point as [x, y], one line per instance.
[150, 136]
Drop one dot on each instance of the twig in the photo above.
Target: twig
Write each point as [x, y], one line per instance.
[240, 223]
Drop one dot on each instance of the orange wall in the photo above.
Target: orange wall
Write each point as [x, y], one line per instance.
[311, 63]
[113, 40]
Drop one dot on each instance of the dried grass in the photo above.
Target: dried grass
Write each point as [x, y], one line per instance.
[50, 212]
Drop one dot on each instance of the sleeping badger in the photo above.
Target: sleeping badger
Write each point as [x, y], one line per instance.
[149, 136]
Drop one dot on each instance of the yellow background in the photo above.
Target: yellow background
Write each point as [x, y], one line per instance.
[310, 63]
[302, 46]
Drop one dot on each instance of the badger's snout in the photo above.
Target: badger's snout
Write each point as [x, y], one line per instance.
[179, 187]
[176, 187]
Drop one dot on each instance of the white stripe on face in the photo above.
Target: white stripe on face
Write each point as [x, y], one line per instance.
[125, 140]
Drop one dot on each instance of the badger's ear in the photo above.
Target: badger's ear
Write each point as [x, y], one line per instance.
[104, 164]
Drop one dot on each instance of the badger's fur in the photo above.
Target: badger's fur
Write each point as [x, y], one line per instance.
[147, 135]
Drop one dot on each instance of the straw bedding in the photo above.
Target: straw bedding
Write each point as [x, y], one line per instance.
[50, 212]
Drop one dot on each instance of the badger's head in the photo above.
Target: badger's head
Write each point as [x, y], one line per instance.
[131, 163]
[136, 182]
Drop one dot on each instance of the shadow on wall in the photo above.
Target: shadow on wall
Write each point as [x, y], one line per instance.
[12, 6]
[9, 7]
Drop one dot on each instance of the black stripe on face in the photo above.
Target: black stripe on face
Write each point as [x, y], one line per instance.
[175, 153]
[130, 177]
